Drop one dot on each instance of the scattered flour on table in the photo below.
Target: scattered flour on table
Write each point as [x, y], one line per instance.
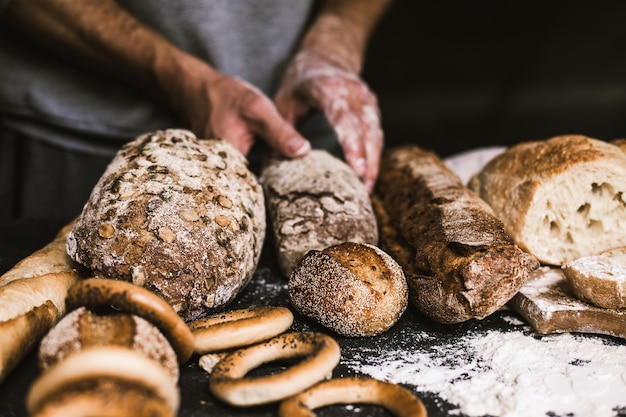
[510, 373]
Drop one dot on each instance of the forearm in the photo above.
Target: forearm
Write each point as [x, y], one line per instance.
[104, 36]
[343, 28]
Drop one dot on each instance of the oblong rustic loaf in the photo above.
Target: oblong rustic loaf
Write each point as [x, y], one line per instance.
[315, 202]
[561, 198]
[458, 260]
[182, 217]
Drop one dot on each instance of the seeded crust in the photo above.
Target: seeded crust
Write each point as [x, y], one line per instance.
[83, 328]
[315, 202]
[182, 217]
[458, 260]
[351, 288]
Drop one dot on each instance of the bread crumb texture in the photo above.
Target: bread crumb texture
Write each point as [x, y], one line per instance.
[560, 198]
[182, 217]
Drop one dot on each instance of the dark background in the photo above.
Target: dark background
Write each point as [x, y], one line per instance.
[457, 74]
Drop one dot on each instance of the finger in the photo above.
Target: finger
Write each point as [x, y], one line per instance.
[373, 138]
[349, 133]
[235, 132]
[266, 121]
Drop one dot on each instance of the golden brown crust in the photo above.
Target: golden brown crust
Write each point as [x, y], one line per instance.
[32, 296]
[320, 355]
[104, 397]
[52, 258]
[21, 333]
[599, 279]
[130, 298]
[121, 365]
[458, 260]
[353, 390]
[558, 195]
[353, 289]
[549, 305]
[238, 328]
[84, 329]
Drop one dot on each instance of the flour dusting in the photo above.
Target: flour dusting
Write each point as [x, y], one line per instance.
[510, 374]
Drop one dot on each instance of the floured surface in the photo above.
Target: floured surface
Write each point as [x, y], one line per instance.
[507, 373]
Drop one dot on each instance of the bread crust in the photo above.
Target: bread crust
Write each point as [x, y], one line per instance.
[599, 279]
[353, 289]
[182, 217]
[32, 296]
[315, 202]
[458, 260]
[559, 198]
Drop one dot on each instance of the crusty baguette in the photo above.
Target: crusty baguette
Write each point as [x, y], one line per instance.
[315, 202]
[21, 333]
[561, 198]
[50, 259]
[599, 279]
[458, 260]
[33, 299]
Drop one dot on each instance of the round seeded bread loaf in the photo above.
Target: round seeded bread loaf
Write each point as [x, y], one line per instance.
[352, 288]
[182, 217]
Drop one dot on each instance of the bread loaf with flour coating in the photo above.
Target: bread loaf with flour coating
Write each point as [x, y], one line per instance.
[561, 198]
[182, 217]
[458, 260]
[315, 202]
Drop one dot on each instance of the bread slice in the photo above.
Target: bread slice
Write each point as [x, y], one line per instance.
[561, 198]
[547, 302]
[600, 279]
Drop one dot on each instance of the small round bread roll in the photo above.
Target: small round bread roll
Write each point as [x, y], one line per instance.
[355, 289]
[180, 216]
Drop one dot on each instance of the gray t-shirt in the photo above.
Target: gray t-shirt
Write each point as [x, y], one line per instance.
[49, 97]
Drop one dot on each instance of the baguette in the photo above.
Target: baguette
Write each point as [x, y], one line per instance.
[458, 260]
[33, 299]
[560, 198]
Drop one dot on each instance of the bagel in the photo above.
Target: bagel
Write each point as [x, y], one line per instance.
[131, 298]
[103, 397]
[104, 362]
[398, 400]
[239, 328]
[83, 329]
[228, 382]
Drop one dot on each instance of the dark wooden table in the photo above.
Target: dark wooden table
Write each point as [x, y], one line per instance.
[17, 240]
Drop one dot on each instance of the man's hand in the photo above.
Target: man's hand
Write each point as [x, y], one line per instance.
[103, 36]
[325, 75]
[216, 105]
[315, 80]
